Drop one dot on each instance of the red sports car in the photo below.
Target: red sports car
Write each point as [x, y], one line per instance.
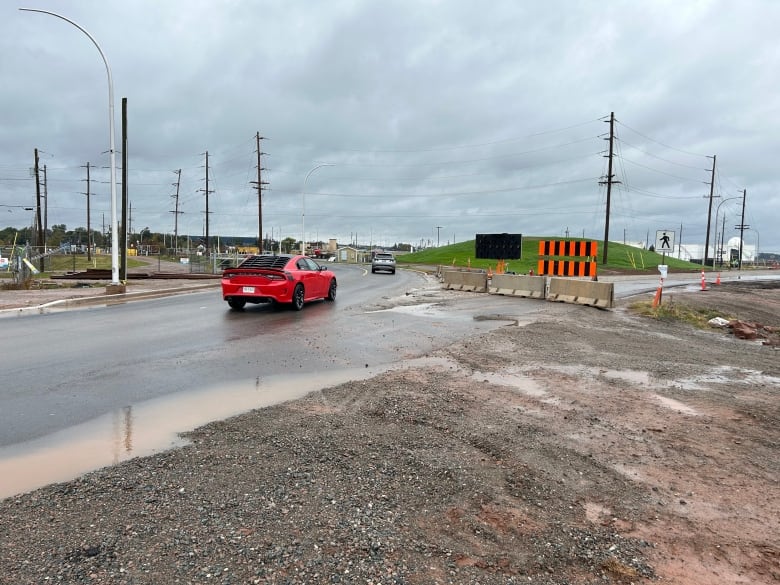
[281, 278]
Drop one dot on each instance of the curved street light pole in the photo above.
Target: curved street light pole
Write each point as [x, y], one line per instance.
[112, 151]
[303, 206]
[717, 210]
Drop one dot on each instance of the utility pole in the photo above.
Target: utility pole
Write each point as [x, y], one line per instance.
[608, 182]
[709, 212]
[679, 244]
[207, 202]
[742, 227]
[259, 186]
[176, 211]
[38, 206]
[438, 231]
[45, 205]
[89, 246]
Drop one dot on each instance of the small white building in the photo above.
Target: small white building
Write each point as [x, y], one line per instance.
[730, 251]
[352, 255]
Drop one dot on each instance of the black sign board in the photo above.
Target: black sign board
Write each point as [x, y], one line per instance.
[499, 246]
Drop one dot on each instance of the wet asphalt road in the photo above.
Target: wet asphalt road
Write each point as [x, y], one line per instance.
[64, 368]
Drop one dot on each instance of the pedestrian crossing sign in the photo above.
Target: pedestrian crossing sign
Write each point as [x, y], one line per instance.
[664, 241]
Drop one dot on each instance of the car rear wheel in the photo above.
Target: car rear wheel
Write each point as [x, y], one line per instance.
[297, 297]
[332, 290]
[236, 304]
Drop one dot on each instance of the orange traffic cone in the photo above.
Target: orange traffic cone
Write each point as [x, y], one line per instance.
[657, 298]
[703, 281]
[717, 280]
[658, 294]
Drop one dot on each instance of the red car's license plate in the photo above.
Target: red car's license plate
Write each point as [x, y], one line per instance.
[248, 289]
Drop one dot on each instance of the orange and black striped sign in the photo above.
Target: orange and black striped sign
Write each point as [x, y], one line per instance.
[567, 248]
[566, 268]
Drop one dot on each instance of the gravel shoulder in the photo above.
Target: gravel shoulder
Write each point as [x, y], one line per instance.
[585, 447]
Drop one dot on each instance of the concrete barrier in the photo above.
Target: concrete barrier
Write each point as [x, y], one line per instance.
[518, 285]
[582, 292]
[466, 281]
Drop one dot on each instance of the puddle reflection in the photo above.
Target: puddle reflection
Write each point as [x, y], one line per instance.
[149, 427]
[154, 426]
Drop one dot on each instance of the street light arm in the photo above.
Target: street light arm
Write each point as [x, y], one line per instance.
[112, 149]
[303, 205]
[91, 38]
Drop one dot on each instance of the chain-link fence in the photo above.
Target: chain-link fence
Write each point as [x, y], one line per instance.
[19, 264]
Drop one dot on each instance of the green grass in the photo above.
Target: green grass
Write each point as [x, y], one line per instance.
[619, 257]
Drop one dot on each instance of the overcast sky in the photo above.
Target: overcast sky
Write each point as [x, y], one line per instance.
[442, 119]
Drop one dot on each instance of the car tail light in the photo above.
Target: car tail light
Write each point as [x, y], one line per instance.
[289, 275]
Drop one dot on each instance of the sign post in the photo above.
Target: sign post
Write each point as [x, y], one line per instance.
[662, 268]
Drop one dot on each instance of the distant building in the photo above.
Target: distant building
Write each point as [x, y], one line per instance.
[695, 252]
[729, 253]
[351, 255]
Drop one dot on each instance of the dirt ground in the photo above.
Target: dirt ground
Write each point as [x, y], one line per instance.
[689, 420]
[579, 447]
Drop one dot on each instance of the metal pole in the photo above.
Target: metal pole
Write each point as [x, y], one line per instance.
[755, 254]
[112, 150]
[709, 214]
[742, 227]
[717, 213]
[303, 206]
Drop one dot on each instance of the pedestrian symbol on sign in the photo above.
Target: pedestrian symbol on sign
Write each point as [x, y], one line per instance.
[664, 241]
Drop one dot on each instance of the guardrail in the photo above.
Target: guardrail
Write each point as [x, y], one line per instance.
[582, 292]
[564, 290]
[518, 285]
[465, 280]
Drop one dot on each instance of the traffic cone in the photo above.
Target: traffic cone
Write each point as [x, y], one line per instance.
[717, 280]
[657, 297]
[703, 281]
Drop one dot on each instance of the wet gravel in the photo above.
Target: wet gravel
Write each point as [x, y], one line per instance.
[392, 480]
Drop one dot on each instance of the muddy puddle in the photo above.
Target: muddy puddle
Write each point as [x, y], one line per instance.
[150, 427]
